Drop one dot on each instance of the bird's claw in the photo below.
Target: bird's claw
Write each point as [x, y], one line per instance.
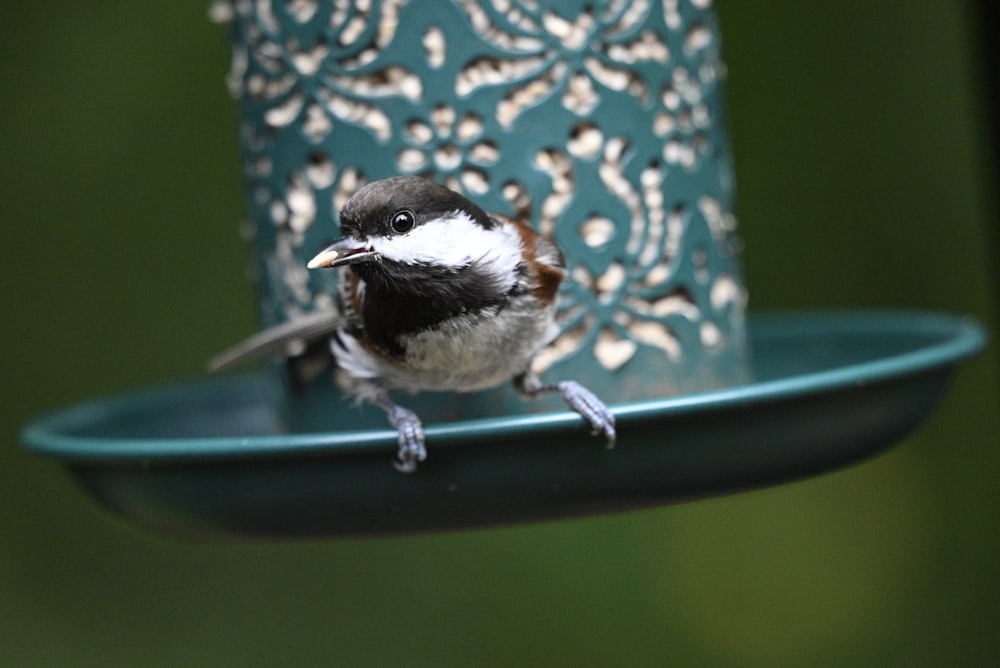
[411, 439]
[593, 410]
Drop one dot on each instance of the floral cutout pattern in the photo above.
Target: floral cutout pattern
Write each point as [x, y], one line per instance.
[566, 55]
[452, 150]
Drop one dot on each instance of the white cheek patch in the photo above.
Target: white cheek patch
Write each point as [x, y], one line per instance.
[454, 241]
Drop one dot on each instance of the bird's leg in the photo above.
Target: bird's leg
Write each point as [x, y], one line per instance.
[410, 430]
[579, 398]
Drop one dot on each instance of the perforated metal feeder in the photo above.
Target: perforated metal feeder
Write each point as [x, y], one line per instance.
[602, 124]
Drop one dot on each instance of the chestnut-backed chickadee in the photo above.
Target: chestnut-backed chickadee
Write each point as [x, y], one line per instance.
[438, 296]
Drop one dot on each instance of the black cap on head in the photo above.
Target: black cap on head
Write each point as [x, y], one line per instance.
[371, 209]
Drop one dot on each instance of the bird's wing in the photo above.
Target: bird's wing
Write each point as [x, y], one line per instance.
[279, 340]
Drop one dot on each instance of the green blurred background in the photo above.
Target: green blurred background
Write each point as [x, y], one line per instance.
[864, 181]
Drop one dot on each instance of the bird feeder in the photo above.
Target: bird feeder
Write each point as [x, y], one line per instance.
[602, 124]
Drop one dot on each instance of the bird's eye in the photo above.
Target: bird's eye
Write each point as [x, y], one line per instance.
[403, 221]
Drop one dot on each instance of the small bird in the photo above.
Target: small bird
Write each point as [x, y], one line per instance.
[437, 295]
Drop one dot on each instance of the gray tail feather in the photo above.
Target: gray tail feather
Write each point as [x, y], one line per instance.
[281, 339]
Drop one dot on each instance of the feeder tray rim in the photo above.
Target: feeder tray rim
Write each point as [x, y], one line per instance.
[57, 433]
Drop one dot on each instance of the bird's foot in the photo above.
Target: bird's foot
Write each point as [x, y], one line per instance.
[579, 398]
[411, 436]
[593, 410]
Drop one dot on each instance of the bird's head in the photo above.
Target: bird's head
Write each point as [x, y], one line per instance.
[408, 225]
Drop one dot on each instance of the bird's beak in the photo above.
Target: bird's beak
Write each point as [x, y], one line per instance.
[340, 253]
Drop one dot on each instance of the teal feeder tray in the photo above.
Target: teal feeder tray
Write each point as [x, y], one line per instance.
[601, 124]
